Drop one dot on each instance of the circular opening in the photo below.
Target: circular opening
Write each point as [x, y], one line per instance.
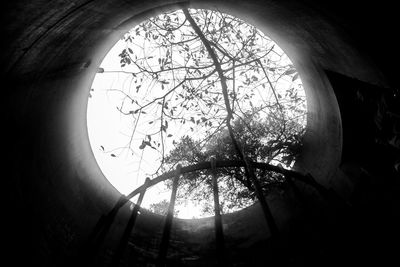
[185, 86]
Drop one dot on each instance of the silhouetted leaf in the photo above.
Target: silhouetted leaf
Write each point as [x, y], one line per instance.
[142, 146]
[289, 71]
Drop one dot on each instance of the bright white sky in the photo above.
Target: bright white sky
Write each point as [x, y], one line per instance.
[109, 132]
[106, 125]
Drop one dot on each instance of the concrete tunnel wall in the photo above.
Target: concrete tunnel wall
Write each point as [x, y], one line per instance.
[54, 54]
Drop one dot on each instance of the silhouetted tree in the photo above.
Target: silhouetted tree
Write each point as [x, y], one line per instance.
[203, 83]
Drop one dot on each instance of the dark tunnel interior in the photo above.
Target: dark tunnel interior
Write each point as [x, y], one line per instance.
[59, 209]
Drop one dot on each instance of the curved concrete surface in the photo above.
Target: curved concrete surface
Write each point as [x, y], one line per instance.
[52, 52]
